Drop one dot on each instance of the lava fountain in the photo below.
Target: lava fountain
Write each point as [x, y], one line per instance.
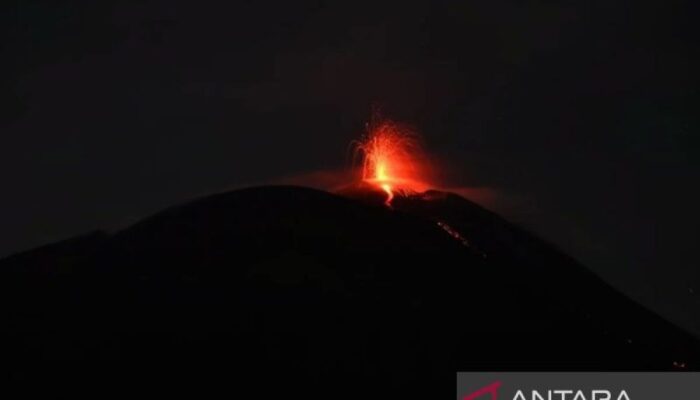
[392, 159]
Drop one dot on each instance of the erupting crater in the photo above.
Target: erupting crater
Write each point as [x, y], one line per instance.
[392, 159]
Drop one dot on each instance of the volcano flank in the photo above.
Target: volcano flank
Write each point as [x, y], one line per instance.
[281, 290]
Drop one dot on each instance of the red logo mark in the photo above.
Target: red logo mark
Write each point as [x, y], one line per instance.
[491, 389]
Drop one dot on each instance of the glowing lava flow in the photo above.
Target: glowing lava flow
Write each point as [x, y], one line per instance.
[391, 159]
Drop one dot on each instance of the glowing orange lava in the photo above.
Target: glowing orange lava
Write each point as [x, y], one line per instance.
[391, 159]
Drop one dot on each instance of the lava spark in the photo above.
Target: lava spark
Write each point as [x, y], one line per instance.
[391, 159]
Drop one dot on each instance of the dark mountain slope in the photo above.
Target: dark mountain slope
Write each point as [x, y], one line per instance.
[287, 290]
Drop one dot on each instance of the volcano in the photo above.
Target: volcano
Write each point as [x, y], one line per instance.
[288, 291]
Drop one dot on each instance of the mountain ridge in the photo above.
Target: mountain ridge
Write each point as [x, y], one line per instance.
[325, 285]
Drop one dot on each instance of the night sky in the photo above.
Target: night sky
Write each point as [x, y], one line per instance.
[579, 119]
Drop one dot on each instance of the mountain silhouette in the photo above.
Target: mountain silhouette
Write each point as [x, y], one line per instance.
[288, 291]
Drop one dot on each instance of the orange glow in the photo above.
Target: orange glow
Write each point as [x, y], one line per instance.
[392, 159]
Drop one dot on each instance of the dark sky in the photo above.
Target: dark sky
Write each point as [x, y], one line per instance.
[580, 116]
